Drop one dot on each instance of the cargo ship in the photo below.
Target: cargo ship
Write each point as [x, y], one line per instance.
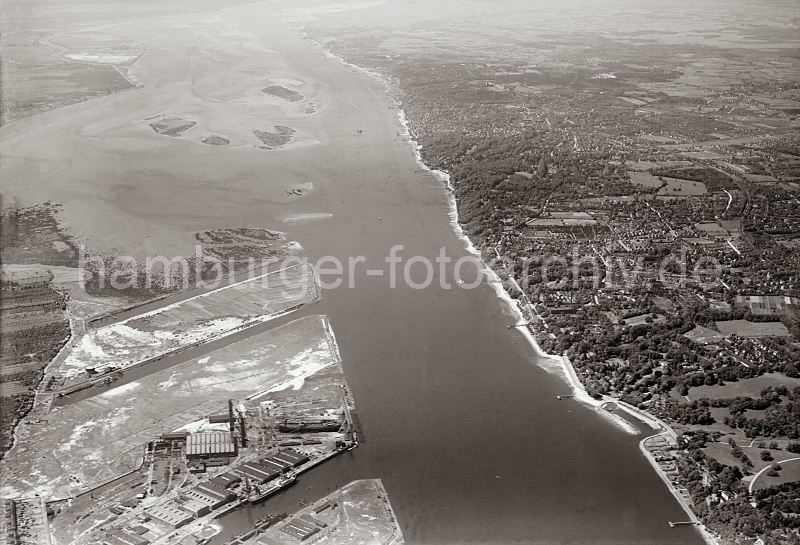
[271, 490]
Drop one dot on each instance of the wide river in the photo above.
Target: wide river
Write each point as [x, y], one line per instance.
[458, 420]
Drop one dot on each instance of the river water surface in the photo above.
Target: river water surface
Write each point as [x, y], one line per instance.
[458, 421]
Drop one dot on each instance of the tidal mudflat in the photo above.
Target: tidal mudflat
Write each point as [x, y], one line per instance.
[198, 84]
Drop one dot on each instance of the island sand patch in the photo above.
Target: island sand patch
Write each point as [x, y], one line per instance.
[172, 125]
[281, 136]
[306, 217]
[299, 189]
[285, 93]
[215, 140]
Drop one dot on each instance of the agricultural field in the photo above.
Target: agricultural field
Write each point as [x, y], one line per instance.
[81, 446]
[750, 387]
[32, 234]
[666, 185]
[644, 179]
[684, 187]
[651, 165]
[34, 328]
[743, 328]
[196, 320]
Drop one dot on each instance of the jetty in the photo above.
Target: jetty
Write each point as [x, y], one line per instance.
[514, 326]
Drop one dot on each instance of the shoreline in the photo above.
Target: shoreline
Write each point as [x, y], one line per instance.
[561, 365]
[704, 532]
[557, 364]
[552, 363]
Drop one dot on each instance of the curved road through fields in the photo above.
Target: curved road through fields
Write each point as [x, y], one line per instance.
[757, 475]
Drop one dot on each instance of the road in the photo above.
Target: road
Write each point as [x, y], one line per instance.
[763, 469]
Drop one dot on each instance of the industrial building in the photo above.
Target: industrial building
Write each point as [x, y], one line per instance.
[175, 436]
[211, 495]
[195, 507]
[222, 418]
[206, 499]
[258, 473]
[291, 457]
[215, 491]
[301, 529]
[221, 444]
[169, 513]
[196, 502]
[274, 465]
[226, 480]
